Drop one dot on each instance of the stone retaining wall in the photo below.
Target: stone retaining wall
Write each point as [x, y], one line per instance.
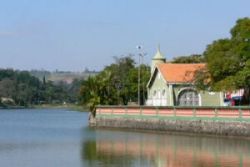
[188, 126]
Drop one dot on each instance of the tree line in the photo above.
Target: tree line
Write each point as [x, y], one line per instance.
[21, 89]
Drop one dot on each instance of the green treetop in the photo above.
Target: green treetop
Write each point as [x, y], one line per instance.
[228, 60]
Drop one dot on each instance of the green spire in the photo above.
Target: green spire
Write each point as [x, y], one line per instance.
[158, 55]
[157, 59]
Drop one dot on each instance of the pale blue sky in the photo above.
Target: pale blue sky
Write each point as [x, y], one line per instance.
[74, 34]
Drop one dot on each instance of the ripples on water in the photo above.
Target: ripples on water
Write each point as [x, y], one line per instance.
[61, 138]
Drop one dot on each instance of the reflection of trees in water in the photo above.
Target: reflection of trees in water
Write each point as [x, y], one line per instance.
[89, 151]
[95, 157]
[113, 148]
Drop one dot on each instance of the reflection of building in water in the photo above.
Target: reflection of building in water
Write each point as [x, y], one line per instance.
[178, 151]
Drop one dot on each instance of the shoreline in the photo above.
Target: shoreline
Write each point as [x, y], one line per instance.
[12, 107]
[215, 121]
[67, 106]
[48, 106]
[197, 127]
[169, 133]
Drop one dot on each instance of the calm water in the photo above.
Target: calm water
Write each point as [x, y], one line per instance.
[61, 138]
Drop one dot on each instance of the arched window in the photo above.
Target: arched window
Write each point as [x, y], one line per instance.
[188, 97]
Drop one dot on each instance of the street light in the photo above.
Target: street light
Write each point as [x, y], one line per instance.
[139, 74]
[140, 60]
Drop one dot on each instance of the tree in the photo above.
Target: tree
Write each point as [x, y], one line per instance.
[228, 60]
[73, 90]
[115, 85]
[90, 93]
[195, 58]
[7, 88]
[133, 83]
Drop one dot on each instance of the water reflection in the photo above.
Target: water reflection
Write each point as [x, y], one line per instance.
[114, 148]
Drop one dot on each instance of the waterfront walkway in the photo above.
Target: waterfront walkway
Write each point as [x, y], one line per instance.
[176, 113]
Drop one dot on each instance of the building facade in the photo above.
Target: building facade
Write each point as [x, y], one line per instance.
[172, 85]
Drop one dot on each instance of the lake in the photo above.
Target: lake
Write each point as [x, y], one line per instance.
[61, 138]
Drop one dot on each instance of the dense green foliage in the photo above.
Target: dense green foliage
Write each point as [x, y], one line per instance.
[228, 61]
[189, 59]
[22, 89]
[116, 84]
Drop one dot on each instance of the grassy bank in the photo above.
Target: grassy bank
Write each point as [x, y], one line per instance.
[12, 107]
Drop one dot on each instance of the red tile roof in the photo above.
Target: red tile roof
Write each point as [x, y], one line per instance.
[179, 73]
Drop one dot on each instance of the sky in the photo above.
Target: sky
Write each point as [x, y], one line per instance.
[72, 35]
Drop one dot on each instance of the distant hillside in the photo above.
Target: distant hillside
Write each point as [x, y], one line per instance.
[65, 76]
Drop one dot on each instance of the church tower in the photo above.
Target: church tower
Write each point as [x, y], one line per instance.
[157, 59]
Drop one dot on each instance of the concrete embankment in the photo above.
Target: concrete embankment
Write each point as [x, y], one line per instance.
[215, 121]
[187, 126]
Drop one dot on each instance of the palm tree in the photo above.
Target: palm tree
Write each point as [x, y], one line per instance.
[90, 93]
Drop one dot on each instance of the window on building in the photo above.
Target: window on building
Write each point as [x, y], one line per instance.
[154, 93]
[163, 92]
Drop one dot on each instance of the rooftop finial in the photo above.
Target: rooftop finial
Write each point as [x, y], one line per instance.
[159, 48]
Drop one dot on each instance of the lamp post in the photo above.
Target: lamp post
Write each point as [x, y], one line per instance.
[140, 61]
[139, 75]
